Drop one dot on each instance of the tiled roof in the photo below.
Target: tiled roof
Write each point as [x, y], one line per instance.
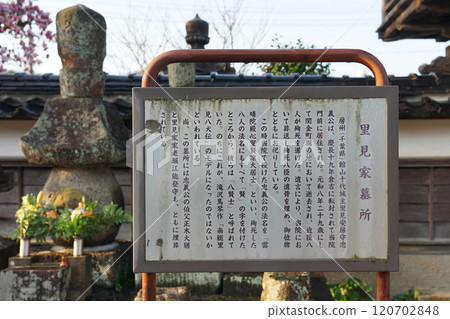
[23, 96]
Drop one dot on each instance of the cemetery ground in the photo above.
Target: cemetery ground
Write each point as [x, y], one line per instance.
[130, 290]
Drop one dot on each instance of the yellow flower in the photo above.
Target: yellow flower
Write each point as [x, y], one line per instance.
[52, 214]
[39, 199]
[20, 213]
[24, 200]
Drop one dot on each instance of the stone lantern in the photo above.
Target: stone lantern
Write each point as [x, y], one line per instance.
[79, 133]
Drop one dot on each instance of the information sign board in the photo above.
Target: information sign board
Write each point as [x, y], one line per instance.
[251, 179]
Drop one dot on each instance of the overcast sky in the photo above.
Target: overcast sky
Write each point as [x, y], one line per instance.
[324, 23]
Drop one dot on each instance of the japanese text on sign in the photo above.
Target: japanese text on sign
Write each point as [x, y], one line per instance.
[267, 179]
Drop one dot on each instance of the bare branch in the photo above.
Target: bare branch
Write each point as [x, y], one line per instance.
[231, 30]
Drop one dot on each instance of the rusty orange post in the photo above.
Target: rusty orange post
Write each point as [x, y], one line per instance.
[247, 56]
[148, 287]
[383, 286]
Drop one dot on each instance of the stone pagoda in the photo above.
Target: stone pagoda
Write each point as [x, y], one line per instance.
[79, 133]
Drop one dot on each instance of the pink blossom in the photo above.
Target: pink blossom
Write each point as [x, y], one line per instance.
[27, 24]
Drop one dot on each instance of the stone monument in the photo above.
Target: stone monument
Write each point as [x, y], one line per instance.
[79, 133]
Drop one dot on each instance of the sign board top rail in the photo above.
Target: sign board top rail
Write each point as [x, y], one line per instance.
[267, 55]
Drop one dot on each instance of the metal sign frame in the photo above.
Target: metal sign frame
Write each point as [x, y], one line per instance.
[140, 95]
[262, 55]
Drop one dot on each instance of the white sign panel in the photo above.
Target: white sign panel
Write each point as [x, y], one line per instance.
[271, 179]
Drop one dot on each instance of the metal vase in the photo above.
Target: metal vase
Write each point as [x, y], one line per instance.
[24, 248]
[77, 246]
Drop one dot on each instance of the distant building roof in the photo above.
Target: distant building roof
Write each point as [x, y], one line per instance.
[409, 19]
[23, 96]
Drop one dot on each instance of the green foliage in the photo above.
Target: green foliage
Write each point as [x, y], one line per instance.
[36, 219]
[118, 287]
[78, 222]
[411, 295]
[87, 220]
[289, 68]
[350, 290]
[111, 215]
[31, 218]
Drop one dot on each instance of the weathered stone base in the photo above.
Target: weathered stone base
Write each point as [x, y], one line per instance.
[110, 267]
[17, 261]
[81, 279]
[285, 286]
[198, 283]
[49, 283]
[113, 267]
[168, 294]
[242, 284]
[81, 271]
[112, 264]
